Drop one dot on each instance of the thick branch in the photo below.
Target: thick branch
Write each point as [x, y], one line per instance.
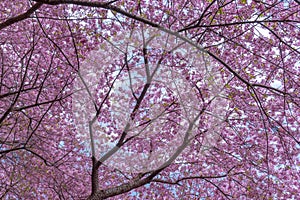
[20, 17]
[126, 187]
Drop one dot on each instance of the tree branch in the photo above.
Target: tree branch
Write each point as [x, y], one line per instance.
[20, 17]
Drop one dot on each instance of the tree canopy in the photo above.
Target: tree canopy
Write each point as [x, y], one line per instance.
[130, 99]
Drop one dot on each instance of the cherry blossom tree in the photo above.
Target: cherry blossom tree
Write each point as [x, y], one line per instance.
[120, 99]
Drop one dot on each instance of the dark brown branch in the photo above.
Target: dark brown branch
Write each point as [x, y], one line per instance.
[20, 17]
[123, 188]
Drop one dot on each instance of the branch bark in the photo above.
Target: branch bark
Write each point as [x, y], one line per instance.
[20, 17]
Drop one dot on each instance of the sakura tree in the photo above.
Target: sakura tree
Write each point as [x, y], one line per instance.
[180, 99]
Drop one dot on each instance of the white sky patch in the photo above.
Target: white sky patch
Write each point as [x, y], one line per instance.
[276, 84]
